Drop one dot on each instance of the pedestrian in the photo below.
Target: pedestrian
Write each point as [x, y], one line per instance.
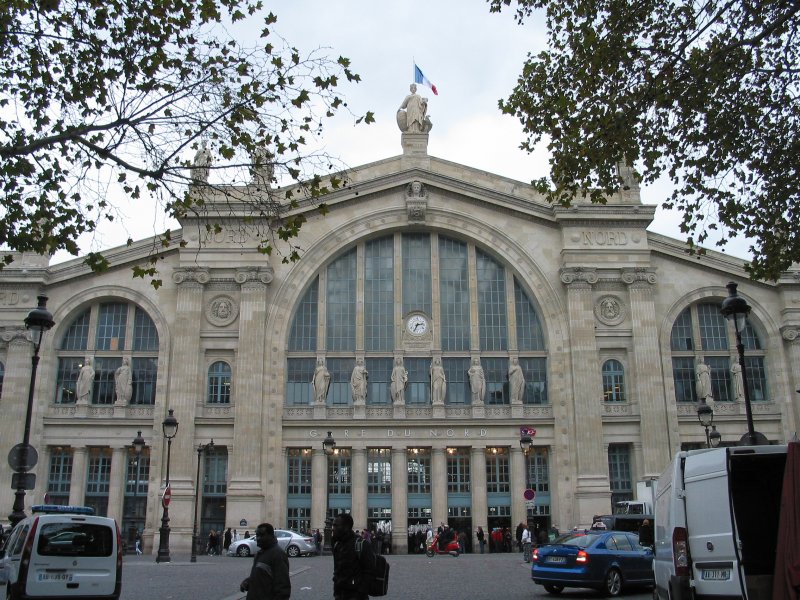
[520, 529]
[353, 561]
[227, 539]
[462, 541]
[481, 538]
[246, 535]
[542, 538]
[318, 542]
[212, 542]
[235, 536]
[646, 534]
[526, 544]
[269, 576]
[138, 543]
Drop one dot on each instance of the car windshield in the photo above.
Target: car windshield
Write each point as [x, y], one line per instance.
[75, 539]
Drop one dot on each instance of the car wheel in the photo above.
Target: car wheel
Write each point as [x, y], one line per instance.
[293, 551]
[613, 583]
[243, 550]
[554, 589]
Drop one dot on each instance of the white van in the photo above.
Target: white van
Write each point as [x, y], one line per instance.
[716, 523]
[63, 552]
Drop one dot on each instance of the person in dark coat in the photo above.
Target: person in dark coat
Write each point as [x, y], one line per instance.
[352, 569]
[520, 529]
[227, 539]
[646, 534]
[269, 576]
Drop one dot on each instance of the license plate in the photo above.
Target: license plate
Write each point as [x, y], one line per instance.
[54, 577]
[556, 559]
[715, 574]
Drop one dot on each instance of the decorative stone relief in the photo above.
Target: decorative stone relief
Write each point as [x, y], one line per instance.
[790, 334]
[585, 275]
[416, 201]
[639, 275]
[14, 334]
[264, 275]
[610, 310]
[190, 275]
[616, 408]
[222, 310]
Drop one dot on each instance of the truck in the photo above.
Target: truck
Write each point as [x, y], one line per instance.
[645, 499]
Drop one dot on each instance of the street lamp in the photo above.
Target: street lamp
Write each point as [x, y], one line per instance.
[328, 445]
[735, 309]
[525, 441]
[714, 438]
[138, 445]
[705, 414]
[201, 450]
[23, 457]
[170, 429]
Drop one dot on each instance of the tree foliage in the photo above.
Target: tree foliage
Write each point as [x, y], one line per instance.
[121, 94]
[704, 92]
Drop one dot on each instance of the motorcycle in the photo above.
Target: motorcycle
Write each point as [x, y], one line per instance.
[450, 548]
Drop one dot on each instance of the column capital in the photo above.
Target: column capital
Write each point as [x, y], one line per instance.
[578, 277]
[639, 277]
[791, 333]
[16, 336]
[191, 276]
[247, 276]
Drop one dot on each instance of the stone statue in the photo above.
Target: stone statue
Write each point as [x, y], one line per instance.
[399, 381]
[358, 382]
[703, 381]
[438, 382]
[321, 382]
[123, 382]
[477, 381]
[262, 169]
[738, 382]
[412, 114]
[516, 381]
[85, 384]
[202, 164]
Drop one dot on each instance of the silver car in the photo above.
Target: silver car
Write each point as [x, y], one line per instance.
[292, 542]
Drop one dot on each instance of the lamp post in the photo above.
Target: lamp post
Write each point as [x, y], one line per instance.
[328, 445]
[705, 415]
[170, 429]
[735, 309]
[23, 457]
[525, 441]
[201, 450]
[138, 445]
[714, 438]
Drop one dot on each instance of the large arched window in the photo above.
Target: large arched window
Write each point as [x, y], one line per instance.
[219, 383]
[613, 381]
[471, 304]
[701, 333]
[107, 333]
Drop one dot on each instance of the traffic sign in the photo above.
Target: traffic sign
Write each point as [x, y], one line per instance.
[529, 494]
[23, 457]
[166, 497]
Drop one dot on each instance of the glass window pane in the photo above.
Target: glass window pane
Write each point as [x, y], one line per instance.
[104, 389]
[756, 378]
[683, 377]
[529, 328]
[380, 374]
[538, 471]
[341, 303]
[379, 294]
[219, 383]
[417, 273]
[215, 472]
[66, 379]
[535, 370]
[60, 474]
[339, 472]
[720, 367]
[339, 392]
[303, 335]
[112, 319]
[454, 295]
[750, 338]
[419, 381]
[299, 388]
[379, 471]
[77, 335]
[145, 335]
[491, 303]
[613, 381]
[298, 478]
[496, 372]
[713, 327]
[498, 474]
[455, 371]
[145, 373]
[419, 470]
[458, 470]
[681, 336]
[619, 472]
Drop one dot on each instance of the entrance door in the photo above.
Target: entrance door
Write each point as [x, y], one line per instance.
[462, 524]
[497, 529]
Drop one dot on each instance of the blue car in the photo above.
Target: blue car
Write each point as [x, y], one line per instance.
[603, 560]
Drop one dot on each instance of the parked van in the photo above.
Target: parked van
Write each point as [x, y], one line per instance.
[63, 552]
[716, 523]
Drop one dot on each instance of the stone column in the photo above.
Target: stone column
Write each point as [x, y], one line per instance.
[14, 405]
[359, 487]
[116, 486]
[245, 492]
[519, 514]
[438, 486]
[791, 425]
[319, 488]
[592, 491]
[77, 485]
[399, 500]
[647, 369]
[480, 504]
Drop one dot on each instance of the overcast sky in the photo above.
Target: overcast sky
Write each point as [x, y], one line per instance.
[473, 57]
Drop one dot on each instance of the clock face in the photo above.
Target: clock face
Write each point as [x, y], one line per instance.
[417, 325]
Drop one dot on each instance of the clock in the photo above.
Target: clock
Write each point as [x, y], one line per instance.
[417, 325]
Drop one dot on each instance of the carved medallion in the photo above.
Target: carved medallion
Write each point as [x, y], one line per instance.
[609, 310]
[222, 310]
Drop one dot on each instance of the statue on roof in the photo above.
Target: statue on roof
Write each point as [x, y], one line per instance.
[412, 116]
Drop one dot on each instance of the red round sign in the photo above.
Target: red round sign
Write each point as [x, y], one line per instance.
[167, 496]
[529, 494]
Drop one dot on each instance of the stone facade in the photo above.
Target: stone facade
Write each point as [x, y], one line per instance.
[604, 289]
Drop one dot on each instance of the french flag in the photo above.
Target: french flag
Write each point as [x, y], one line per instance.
[419, 77]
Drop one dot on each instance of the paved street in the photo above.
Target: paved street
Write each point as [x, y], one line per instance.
[472, 577]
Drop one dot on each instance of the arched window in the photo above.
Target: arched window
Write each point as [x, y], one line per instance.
[701, 333]
[465, 301]
[613, 381]
[219, 383]
[107, 333]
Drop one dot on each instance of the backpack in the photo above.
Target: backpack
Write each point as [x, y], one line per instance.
[379, 586]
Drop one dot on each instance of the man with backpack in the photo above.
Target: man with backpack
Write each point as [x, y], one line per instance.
[353, 561]
[269, 576]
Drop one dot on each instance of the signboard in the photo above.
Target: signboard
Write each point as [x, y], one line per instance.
[243, 523]
[530, 504]
[527, 430]
[24, 481]
[166, 497]
[22, 457]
